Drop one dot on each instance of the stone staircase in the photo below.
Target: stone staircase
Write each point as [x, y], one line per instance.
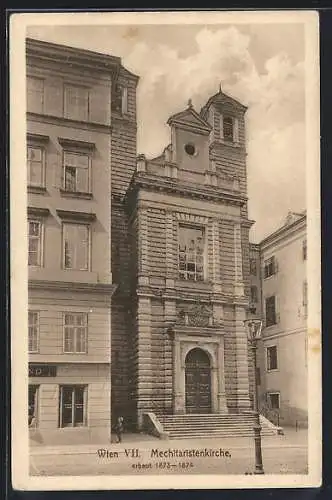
[193, 426]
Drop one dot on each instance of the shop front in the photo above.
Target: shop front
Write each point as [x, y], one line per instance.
[68, 403]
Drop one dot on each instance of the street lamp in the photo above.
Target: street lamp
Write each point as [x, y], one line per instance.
[254, 330]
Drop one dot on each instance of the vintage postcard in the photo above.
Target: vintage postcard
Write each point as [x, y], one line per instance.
[165, 250]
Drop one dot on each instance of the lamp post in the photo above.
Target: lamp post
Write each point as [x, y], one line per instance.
[254, 329]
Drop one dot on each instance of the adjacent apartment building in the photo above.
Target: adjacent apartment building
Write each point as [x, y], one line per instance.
[279, 291]
[77, 101]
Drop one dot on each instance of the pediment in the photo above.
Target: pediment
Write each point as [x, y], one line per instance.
[189, 118]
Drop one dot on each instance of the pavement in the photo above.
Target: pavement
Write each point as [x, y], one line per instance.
[144, 454]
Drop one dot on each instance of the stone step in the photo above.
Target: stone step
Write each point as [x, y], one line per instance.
[216, 425]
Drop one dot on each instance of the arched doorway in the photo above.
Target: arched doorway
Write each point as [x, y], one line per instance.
[198, 382]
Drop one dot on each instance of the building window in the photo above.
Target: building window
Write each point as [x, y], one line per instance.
[270, 311]
[73, 406]
[304, 250]
[33, 405]
[305, 299]
[35, 94]
[191, 253]
[33, 325]
[36, 165]
[274, 400]
[254, 294]
[76, 246]
[272, 358]
[228, 128]
[75, 333]
[270, 267]
[120, 99]
[76, 172]
[76, 106]
[35, 230]
[253, 267]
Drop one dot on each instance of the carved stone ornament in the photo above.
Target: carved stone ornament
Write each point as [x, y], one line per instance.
[197, 315]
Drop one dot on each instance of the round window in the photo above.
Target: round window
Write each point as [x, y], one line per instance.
[190, 149]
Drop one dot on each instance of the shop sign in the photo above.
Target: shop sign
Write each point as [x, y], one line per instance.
[42, 370]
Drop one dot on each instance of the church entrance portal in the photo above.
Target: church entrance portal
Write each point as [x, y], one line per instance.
[198, 382]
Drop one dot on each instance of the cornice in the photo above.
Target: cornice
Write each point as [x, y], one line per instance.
[158, 184]
[73, 143]
[38, 212]
[72, 286]
[38, 138]
[74, 216]
[284, 232]
[205, 296]
[67, 122]
[56, 53]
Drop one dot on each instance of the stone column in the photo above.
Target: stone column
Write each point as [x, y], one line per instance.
[143, 249]
[242, 390]
[144, 362]
[238, 278]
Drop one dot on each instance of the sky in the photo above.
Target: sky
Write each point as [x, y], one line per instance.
[261, 65]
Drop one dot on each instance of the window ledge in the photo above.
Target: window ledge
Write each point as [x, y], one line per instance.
[37, 189]
[224, 142]
[75, 194]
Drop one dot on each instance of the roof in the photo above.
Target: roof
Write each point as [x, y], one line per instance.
[222, 98]
[290, 225]
[189, 118]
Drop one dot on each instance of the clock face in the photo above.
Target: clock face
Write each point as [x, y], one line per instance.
[190, 149]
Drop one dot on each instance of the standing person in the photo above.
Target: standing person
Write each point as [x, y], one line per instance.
[119, 428]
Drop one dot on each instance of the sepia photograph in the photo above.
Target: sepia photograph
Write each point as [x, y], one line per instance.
[165, 250]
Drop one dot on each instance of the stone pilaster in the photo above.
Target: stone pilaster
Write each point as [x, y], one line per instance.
[210, 251]
[170, 318]
[143, 248]
[179, 387]
[215, 244]
[238, 278]
[144, 361]
[222, 403]
[171, 260]
[242, 389]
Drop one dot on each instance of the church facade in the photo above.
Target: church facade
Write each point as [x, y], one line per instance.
[184, 296]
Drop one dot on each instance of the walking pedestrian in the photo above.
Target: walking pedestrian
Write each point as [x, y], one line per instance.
[119, 428]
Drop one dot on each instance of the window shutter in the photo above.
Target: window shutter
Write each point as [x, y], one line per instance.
[236, 130]
[99, 104]
[124, 102]
[211, 117]
[277, 306]
[60, 171]
[221, 126]
[276, 266]
[54, 104]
